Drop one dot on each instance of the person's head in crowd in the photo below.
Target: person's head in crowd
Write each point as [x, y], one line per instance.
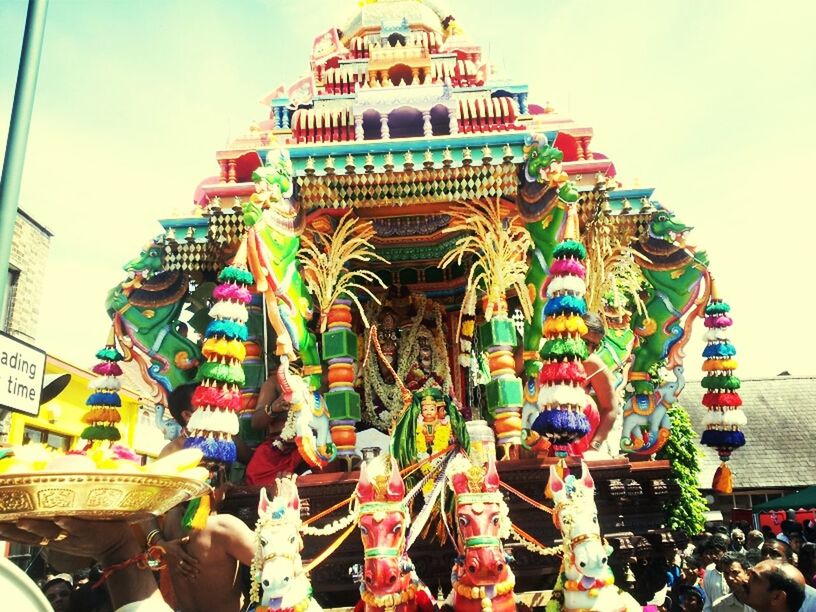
[721, 529]
[734, 568]
[737, 538]
[180, 403]
[767, 532]
[87, 599]
[714, 549]
[774, 587]
[807, 560]
[690, 566]
[790, 526]
[776, 550]
[754, 539]
[691, 598]
[796, 541]
[58, 592]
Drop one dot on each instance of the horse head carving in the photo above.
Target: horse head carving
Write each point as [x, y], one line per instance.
[279, 581]
[482, 578]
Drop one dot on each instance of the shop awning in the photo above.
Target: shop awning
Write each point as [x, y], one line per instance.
[806, 498]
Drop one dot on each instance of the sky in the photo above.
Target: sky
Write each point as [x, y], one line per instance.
[710, 102]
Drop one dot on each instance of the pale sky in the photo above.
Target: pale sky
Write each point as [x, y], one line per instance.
[711, 102]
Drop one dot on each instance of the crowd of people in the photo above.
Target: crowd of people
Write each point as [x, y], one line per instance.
[744, 572]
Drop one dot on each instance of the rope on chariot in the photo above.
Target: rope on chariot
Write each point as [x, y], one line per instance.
[330, 549]
[350, 521]
[523, 497]
[347, 520]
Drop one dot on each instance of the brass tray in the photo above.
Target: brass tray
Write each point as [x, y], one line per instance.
[93, 495]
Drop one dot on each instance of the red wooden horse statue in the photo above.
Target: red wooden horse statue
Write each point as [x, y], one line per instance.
[482, 579]
[389, 583]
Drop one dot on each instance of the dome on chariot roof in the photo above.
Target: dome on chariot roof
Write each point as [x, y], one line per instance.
[374, 13]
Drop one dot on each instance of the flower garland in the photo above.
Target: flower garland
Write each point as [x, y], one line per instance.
[388, 393]
[335, 525]
[374, 385]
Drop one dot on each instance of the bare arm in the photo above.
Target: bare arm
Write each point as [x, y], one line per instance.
[603, 385]
[233, 536]
[109, 542]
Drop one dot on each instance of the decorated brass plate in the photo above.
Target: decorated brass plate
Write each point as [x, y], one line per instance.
[93, 495]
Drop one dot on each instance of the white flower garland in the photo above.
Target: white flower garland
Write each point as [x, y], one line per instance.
[335, 525]
[544, 552]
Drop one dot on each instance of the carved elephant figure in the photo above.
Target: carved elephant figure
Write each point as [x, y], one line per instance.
[169, 428]
[649, 413]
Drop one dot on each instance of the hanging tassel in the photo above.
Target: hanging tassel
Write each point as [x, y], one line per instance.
[197, 512]
[723, 482]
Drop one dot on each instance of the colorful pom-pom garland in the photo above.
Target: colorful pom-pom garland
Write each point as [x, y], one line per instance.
[104, 401]
[218, 397]
[725, 416]
[561, 397]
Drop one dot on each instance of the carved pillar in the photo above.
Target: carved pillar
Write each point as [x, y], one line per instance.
[358, 128]
[427, 129]
[385, 134]
[453, 121]
[222, 173]
[284, 118]
[415, 76]
[230, 170]
[579, 148]
[372, 78]
[587, 152]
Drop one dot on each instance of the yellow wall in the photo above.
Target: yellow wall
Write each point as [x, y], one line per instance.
[63, 414]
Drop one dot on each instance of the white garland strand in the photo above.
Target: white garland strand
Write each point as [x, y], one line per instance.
[332, 527]
[544, 552]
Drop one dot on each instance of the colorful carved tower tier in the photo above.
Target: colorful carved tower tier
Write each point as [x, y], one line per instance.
[400, 121]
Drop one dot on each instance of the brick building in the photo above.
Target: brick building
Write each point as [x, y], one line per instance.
[20, 311]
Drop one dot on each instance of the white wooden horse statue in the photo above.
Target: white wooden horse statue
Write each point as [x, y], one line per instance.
[589, 584]
[279, 581]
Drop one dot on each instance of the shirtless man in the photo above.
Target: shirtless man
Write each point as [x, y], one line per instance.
[215, 585]
[202, 565]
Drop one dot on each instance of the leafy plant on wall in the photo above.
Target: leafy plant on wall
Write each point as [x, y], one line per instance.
[687, 513]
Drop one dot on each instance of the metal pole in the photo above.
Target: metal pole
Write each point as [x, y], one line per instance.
[18, 131]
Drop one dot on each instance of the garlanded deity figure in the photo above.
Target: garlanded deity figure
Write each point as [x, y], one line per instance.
[481, 579]
[388, 580]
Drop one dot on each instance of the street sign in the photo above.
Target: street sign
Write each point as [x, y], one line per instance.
[22, 367]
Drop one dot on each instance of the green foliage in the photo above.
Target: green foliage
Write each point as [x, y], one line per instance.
[688, 512]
